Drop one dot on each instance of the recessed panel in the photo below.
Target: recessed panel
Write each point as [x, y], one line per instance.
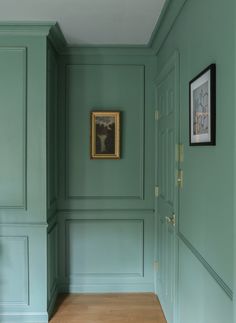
[104, 247]
[104, 88]
[13, 127]
[14, 271]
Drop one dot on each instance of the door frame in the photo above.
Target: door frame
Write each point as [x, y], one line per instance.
[172, 63]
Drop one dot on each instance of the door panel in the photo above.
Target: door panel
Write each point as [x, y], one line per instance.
[167, 201]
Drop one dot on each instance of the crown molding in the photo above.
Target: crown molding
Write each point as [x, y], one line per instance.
[52, 30]
[168, 17]
[57, 38]
[107, 50]
[36, 28]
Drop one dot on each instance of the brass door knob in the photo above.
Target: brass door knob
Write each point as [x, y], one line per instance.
[171, 219]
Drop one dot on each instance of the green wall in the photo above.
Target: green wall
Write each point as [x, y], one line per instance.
[105, 207]
[68, 223]
[202, 36]
[28, 172]
[23, 275]
[52, 175]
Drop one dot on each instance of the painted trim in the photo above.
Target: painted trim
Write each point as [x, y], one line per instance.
[25, 28]
[57, 39]
[25, 225]
[24, 317]
[26, 301]
[108, 211]
[141, 195]
[23, 50]
[106, 288]
[159, 22]
[52, 29]
[165, 23]
[52, 302]
[68, 275]
[172, 64]
[127, 50]
[207, 266]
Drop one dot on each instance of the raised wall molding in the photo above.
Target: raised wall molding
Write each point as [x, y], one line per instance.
[25, 301]
[136, 227]
[207, 266]
[140, 196]
[23, 205]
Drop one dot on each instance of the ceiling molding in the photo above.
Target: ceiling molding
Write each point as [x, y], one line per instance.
[57, 38]
[107, 50]
[52, 30]
[168, 17]
[26, 28]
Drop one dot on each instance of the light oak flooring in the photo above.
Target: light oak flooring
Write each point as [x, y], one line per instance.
[108, 308]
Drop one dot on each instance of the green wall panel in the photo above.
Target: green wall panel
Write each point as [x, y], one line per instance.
[206, 200]
[14, 259]
[52, 129]
[106, 251]
[13, 127]
[106, 82]
[23, 189]
[200, 298]
[104, 87]
[23, 273]
[104, 247]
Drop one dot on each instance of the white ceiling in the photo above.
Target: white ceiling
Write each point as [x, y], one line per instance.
[91, 22]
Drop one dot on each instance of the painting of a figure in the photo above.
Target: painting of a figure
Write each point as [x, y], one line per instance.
[105, 135]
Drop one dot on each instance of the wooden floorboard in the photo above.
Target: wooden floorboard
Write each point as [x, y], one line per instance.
[108, 308]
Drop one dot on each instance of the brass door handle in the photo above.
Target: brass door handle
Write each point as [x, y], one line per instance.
[171, 219]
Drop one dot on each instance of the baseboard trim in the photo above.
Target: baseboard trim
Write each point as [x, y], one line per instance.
[20, 317]
[52, 302]
[106, 288]
[207, 266]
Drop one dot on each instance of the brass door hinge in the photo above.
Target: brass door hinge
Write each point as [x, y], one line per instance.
[157, 191]
[180, 178]
[180, 153]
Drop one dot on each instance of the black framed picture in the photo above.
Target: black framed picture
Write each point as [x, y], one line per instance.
[202, 108]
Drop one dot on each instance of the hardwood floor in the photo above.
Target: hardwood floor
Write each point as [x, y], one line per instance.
[108, 308]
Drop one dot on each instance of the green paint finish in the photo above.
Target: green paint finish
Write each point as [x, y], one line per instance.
[200, 298]
[13, 117]
[106, 251]
[104, 247]
[206, 201]
[90, 88]
[52, 130]
[106, 83]
[23, 185]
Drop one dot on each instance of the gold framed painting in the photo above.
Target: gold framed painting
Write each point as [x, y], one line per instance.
[105, 135]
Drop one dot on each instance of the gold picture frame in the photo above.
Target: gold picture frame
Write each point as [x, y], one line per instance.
[105, 135]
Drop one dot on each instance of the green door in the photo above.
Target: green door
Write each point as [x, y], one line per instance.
[167, 140]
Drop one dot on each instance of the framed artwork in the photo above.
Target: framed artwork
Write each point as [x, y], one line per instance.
[105, 135]
[202, 108]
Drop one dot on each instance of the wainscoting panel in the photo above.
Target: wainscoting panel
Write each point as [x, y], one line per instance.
[22, 272]
[106, 251]
[201, 299]
[14, 252]
[13, 100]
[104, 247]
